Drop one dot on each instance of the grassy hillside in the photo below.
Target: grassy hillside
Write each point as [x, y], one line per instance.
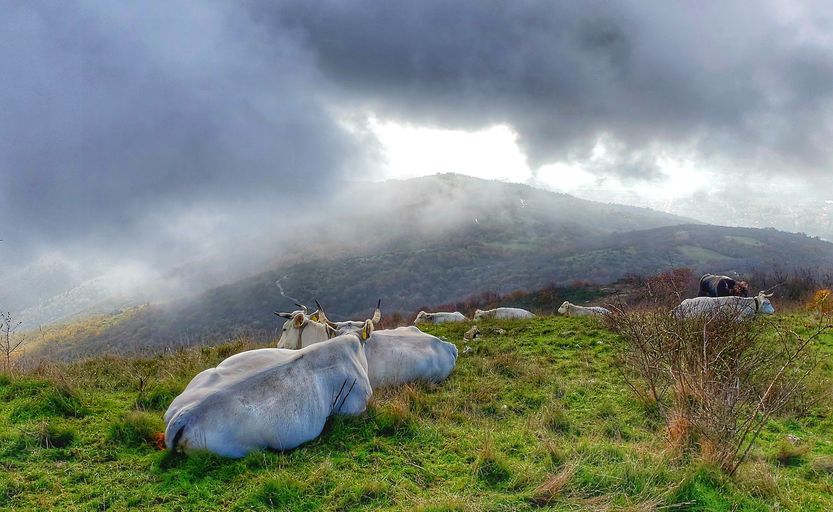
[540, 405]
[446, 272]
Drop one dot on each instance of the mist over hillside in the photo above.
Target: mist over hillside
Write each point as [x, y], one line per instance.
[437, 240]
[361, 219]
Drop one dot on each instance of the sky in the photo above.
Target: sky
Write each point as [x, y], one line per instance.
[143, 134]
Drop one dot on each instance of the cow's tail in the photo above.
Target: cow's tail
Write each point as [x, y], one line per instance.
[175, 429]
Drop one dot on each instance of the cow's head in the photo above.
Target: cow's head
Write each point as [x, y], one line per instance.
[741, 289]
[361, 329]
[762, 304]
[302, 331]
[565, 306]
[478, 314]
[421, 317]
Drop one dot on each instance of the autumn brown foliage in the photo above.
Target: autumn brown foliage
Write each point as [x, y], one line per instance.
[713, 380]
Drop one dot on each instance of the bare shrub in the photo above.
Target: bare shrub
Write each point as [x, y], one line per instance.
[10, 340]
[795, 286]
[713, 380]
[666, 289]
[821, 301]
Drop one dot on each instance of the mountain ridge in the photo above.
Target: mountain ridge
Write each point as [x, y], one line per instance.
[492, 237]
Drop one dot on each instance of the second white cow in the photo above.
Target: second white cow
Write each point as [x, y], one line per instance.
[439, 317]
[503, 313]
[570, 309]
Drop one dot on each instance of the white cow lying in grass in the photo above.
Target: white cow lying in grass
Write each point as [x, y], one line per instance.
[439, 317]
[406, 354]
[503, 313]
[743, 307]
[394, 356]
[570, 309]
[269, 398]
[301, 331]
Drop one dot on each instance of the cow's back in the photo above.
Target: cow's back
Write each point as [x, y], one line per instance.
[406, 354]
[260, 399]
[510, 313]
[716, 286]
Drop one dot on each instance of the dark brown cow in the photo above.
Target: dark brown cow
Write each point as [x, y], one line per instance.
[722, 286]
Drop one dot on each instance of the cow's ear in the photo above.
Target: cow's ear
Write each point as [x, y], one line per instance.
[299, 320]
[315, 316]
[367, 329]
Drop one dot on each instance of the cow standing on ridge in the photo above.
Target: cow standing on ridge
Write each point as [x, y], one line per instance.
[722, 286]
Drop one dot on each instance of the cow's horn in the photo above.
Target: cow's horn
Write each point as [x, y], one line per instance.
[306, 309]
[284, 315]
[322, 317]
[377, 315]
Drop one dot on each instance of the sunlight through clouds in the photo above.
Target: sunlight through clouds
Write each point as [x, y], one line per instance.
[412, 151]
[493, 153]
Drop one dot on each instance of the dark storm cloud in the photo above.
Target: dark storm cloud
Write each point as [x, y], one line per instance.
[113, 113]
[152, 129]
[742, 83]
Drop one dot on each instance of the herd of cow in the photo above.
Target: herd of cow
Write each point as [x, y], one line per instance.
[280, 398]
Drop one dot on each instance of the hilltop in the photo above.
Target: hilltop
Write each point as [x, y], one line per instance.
[437, 240]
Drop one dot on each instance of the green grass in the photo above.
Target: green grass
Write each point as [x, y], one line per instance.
[744, 240]
[530, 420]
[700, 255]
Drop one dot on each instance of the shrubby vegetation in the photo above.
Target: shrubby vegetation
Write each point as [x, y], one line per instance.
[714, 381]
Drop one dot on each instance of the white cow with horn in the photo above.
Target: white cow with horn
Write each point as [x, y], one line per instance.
[394, 356]
[439, 317]
[570, 309]
[503, 313]
[269, 398]
[742, 307]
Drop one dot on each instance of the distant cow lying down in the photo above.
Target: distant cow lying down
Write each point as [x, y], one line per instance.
[269, 398]
[742, 307]
[503, 313]
[570, 309]
[722, 286]
[439, 317]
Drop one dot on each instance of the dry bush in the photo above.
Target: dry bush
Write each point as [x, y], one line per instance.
[10, 340]
[796, 286]
[821, 302]
[662, 290]
[713, 380]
